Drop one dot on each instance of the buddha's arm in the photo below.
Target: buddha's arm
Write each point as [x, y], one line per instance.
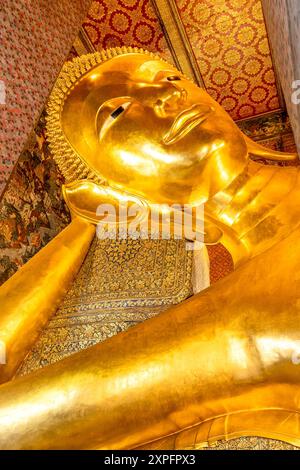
[224, 363]
[32, 295]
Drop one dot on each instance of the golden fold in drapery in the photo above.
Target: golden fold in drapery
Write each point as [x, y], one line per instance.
[32, 295]
[219, 365]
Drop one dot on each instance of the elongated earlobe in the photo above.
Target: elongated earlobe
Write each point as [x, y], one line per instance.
[263, 152]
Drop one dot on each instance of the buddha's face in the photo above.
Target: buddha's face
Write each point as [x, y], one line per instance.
[148, 130]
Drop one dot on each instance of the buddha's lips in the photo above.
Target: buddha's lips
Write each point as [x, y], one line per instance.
[185, 122]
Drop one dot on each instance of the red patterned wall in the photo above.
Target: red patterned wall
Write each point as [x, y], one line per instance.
[35, 37]
[32, 210]
[112, 23]
[231, 46]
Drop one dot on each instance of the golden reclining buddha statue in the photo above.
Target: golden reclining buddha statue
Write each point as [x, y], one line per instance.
[124, 125]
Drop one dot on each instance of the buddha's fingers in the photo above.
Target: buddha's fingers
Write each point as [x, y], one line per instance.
[231, 350]
[32, 295]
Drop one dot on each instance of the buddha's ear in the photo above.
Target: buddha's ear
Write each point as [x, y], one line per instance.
[259, 151]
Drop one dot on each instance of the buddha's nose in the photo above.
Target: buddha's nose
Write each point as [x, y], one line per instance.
[170, 101]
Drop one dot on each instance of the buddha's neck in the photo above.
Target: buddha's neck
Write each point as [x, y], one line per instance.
[259, 208]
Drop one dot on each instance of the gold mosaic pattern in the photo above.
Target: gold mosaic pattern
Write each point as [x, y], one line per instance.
[252, 443]
[71, 165]
[120, 284]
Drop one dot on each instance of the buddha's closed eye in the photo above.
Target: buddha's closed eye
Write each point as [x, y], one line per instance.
[109, 114]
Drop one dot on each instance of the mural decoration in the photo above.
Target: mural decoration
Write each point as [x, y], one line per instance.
[220, 260]
[32, 210]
